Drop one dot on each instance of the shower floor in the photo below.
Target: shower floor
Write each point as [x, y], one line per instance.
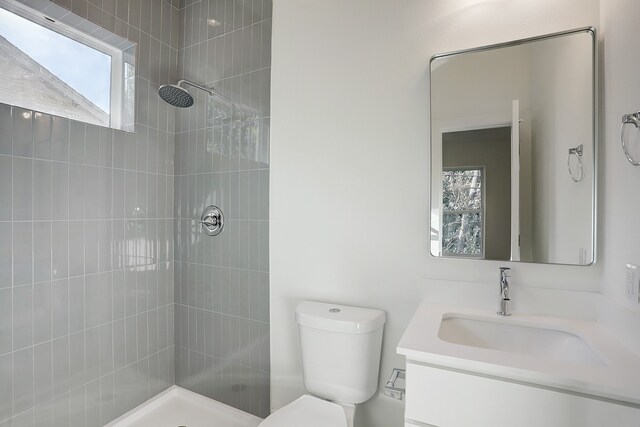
[176, 407]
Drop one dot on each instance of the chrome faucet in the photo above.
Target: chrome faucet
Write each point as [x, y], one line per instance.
[505, 310]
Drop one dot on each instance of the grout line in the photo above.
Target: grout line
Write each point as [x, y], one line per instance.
[116, 220]
[97, 286]
[12, 257]
[192, 350]
[112, 198]
[242, 27]
[68, 331]
[221, 266]
[235, 316]
[84, 263]
[50, 240]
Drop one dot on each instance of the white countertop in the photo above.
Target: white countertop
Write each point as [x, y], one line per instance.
[618, 379]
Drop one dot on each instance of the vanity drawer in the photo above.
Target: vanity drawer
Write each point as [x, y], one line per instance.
[446, 398]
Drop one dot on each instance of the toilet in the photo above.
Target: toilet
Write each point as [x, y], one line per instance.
[340, 347]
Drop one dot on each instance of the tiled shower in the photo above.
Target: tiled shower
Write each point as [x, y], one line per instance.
[222, 159]
[108, 293]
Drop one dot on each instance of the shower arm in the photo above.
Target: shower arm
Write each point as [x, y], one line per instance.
[187, 82]
[211, 92]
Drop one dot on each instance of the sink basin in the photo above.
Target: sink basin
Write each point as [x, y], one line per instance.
[503, 335]
[575, 355]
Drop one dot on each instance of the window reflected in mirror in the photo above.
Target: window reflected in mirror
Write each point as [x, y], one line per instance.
[462, 212]
[504, 120]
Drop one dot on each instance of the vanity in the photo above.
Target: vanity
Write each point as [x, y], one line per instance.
[472, 367]
[513, 179]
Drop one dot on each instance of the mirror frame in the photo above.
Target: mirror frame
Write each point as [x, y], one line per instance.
[594, 143]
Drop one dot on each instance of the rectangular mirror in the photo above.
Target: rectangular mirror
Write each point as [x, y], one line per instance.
[513, 150]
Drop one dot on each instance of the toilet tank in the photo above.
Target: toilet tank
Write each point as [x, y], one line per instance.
[340, 348]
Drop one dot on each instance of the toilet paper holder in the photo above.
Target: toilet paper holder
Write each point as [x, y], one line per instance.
[394, 387]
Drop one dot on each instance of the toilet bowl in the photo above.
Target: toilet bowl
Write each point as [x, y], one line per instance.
[340, 347]
[310, 411]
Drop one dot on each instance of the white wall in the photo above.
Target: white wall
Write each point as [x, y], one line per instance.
[349, 154]
[620, 183]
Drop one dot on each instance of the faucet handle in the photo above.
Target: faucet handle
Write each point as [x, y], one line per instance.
[505, 273]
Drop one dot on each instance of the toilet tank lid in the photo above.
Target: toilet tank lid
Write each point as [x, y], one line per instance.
[339, 318]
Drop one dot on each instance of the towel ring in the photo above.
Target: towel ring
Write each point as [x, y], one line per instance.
[577, 151]
[626, 120]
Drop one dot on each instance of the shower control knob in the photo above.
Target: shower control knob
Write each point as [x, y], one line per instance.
[212, 221]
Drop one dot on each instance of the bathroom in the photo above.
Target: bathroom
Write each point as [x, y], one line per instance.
[215, 314]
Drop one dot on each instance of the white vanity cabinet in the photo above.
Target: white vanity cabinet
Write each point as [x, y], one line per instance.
[445, 398]
[469, 367]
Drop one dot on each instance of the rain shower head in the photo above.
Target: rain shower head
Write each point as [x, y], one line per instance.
[178, 96]
[175, 95]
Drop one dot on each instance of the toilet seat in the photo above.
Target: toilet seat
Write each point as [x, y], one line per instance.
[307, 411]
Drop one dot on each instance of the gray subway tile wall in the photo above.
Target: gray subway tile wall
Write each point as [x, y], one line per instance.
[222, 158]
[86, 244]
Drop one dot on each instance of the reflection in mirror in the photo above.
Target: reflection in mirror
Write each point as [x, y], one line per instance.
[513, 151]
